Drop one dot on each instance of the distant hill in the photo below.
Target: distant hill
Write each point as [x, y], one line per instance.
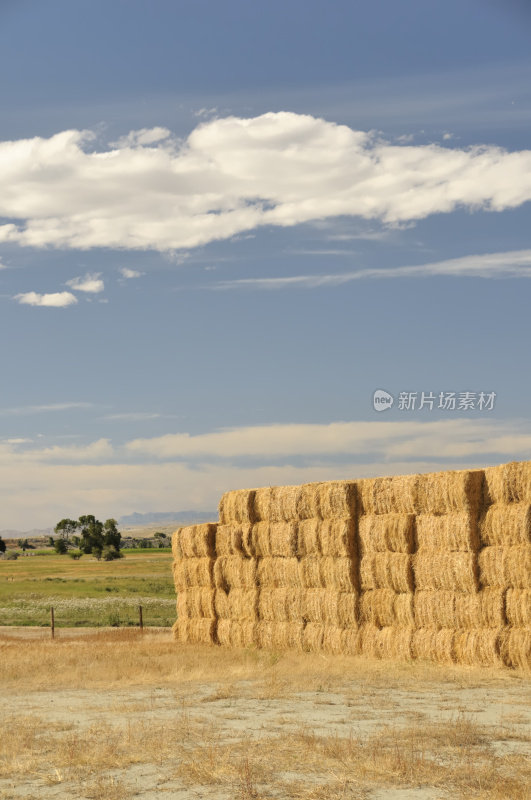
[34, 533]
[160, 517]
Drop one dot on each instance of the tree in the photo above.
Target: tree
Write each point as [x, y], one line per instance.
[98, 538]
[24, 544]
[2, 545]
[66, 527]
[60, 546]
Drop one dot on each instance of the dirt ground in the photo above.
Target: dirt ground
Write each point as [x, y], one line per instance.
[255, 725]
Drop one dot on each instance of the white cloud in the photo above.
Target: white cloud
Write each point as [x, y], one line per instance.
[233, 175]
[91, 283]
[513, 264]
[458, 438]
[128, 274]
[53, 300]
[101, 479]
[144, 136]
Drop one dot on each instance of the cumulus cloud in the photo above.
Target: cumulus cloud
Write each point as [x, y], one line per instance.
[232, 175]
[512, 264]
[90, 283]
[129, 274]
[53, 300]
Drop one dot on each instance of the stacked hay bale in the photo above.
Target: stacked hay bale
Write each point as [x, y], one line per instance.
[386, 544]
[235, 579]
[505, 556]
[455, 621]
[326, 549]
[193, 549]
[434, 567]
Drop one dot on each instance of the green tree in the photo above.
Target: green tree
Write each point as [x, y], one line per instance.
[111, 535]
[24, 544]
[98, 538]
[60, 546]
[66, 527]
[2, 545]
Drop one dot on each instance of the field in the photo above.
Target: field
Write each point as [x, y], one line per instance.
[114, 713]
[118, 715]
[88, 592]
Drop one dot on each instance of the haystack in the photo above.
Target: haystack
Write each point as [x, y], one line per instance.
[503, 525]
[456, 531]
[506, 567]
[195, 541]
[457, 572]
[237, 506]
[380, 533]
[508, 483]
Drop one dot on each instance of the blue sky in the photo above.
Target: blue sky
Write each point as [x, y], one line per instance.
[224, 226]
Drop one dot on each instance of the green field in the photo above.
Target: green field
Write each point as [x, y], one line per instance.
[88, 593]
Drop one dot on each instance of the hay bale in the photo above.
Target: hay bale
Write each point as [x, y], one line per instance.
[191, 573]
[237, 604]
[308, 540]
[339, 574]
[195, 541]
[347, 610]
[350, 641]
[228, 540]
[283, 503]
[278, 573]
[280, 605]
[457, 531]
[446, 492]
[312, 637]
[457, 572]
[508, 483]
[308, 506]
[260, 540]
[195, 631]
[316, 607]
[384, 607]
[337, 499]
[380, 533]
[337, 537]
[506, 567]
[333, 640]
[280, 635]
[503, 525]
[518, 607]
[486, 609]
[221, 604]
[386, 571]
[475, 647]
[310, 573]
[389, 495]
[261, 504]
[434, 609]
[283, 539]
[233, 572]
[515, 647]
[433, 645]
[196, 603]
[325, 607]
[237, 506]
[233, 633]
[386, 643]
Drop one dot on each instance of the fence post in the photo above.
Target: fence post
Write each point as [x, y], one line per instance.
[52, 619]
[140, 618]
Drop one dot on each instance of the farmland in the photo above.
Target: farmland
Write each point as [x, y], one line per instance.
[87, 593]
